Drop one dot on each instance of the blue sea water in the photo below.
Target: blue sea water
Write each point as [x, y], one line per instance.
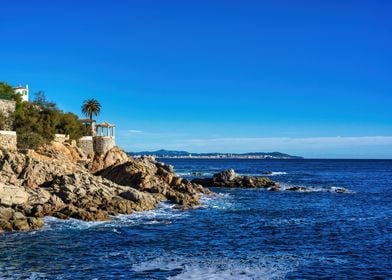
[238, 234]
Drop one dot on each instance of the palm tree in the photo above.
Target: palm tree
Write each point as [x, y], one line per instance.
[91, 107]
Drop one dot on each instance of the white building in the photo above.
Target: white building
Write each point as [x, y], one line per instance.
[23, 91]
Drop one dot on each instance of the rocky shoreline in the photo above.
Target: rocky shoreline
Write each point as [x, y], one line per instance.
[59, 180]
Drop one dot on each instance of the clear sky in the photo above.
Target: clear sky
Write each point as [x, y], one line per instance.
[310, 78]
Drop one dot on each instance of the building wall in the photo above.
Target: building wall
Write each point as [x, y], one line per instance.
[8, 140]
[86, 144]
[24, 92]
[7, 107]
[103, 144]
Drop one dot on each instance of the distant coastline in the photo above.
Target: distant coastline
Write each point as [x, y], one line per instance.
[184, 154]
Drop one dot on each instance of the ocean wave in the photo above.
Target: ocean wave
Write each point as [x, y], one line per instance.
[271, 267]
[221, 201]
[165, 213]
[194, 174]
[52, 223]
[306, 189]
[277, 173]
[264, 174]
[210, 174]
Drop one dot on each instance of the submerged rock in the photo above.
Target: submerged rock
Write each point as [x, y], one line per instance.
[297, 189]
[230, 179]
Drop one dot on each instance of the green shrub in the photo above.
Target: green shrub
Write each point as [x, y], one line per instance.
[30, 140]
[36, 123]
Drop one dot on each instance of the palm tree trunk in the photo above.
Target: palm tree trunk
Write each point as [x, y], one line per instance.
[91, 124]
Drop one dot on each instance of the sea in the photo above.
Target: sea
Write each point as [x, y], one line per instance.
[319, 233]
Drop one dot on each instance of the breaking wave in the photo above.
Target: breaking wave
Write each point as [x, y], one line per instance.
[259, 267]
[306, 189]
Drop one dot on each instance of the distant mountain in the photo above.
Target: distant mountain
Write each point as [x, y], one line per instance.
[160, 153]
[184, 154]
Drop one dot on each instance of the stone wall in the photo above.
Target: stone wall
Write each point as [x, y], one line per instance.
[86, 144]
[8, 140]
[103, 144]
[61, 138]
[7, 107]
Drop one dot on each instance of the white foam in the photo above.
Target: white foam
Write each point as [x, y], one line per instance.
[165, 213]
[263, 267]
[220, 201]
[277, 173]
[52, 223]
[306, 189]
[194, 174]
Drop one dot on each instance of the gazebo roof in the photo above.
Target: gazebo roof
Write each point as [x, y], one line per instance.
[105, 124]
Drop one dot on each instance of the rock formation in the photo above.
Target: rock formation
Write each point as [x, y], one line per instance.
[147, 175]
[56, 180]
[230, 179]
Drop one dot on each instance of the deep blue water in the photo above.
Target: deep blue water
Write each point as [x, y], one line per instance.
[239, 234]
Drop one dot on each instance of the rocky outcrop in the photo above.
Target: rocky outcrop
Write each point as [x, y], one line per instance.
[55, 180]
[230, 179]
[156, 178]
[113, 157]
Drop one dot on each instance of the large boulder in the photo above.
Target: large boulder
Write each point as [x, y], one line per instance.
[12, 195]
[112, 157]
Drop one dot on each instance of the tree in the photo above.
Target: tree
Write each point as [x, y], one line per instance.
[70, 124]
[40, 100]
[91, 107]
[7, 92]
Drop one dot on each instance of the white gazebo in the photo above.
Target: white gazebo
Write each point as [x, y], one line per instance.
[105, 129]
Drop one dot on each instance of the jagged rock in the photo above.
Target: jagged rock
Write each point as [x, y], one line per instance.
[159, 179]
[21, 224]
[6, 213]
[5, 225]
[229, 179]
[11, 195]
[112, 157]
[35, 223]
[18, 216]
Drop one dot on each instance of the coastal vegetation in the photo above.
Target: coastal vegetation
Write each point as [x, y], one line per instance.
[36, 123]
[7, 92]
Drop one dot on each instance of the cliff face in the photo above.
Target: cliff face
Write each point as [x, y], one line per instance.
[57, 181]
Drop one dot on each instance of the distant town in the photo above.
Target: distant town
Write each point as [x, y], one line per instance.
[184, 154]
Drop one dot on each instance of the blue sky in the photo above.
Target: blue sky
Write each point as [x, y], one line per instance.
[311, 78]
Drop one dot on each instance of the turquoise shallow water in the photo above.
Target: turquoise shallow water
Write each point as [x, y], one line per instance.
[238, 234]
